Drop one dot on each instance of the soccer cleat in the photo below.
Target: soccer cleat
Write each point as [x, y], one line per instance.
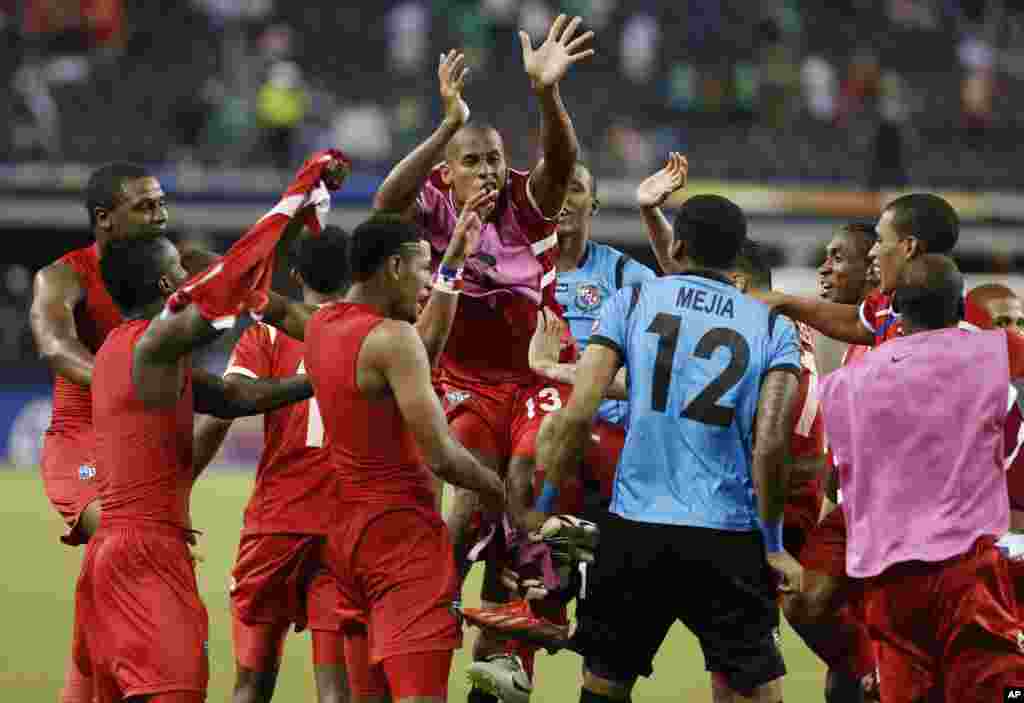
[502, 676]
[516, 621]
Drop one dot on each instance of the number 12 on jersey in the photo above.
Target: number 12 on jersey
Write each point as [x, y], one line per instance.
[704, 407]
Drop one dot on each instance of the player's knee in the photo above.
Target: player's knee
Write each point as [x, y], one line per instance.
[597, 689]
[253, 686]
[331, 684]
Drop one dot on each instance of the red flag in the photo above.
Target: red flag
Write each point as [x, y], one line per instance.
[240, 280]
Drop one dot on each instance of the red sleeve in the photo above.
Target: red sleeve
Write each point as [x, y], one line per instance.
[869, 311]
[1015, 344]
[253, 354]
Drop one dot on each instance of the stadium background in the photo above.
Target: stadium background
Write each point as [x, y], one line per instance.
[806, 113]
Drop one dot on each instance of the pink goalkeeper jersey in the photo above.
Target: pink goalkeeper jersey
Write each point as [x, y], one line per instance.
[919, 450]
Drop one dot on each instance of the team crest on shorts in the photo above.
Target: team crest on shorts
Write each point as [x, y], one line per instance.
[455, 397]
[588, 297]
[86, 472]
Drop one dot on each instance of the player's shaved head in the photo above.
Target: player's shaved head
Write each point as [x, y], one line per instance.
[468, 133]
[928, 218]
[993, 305]
[930, 294]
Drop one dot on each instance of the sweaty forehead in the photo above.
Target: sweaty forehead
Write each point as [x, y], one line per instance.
[145, 188]
[475, 141]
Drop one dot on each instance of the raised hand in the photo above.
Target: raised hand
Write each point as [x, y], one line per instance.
[335, 173]
[657, 187]
[451, 74]
[548, 63]
[546, 343]
[466, 235]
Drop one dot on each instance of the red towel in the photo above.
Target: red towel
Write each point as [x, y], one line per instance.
[240, 280]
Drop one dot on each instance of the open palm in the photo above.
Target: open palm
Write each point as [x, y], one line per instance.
[548, 63]
[656, 188]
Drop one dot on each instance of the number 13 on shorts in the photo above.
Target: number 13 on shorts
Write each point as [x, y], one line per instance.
[548, 400]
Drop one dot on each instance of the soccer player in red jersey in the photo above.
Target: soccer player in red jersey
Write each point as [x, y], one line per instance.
[140, 626]
[71, 315]
[388, 546]
[910, 225]
[279, 578]
[925, 495]
[485, 374]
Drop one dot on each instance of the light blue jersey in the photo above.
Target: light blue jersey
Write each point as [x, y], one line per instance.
[584, 290]
[695, 349]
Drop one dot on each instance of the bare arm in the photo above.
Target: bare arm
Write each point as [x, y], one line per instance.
[564, 433]
[239, 395]
[395, 351]
[771, 443]
[546, 66]
[287, 315]
[157, 371]
[546, 347]
[833, 320]
[651, 194]
[56, 292]
[805, 469]
[207, 437]
[399, 190]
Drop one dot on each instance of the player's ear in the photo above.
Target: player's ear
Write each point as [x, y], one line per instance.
[395, 266]
[741, 281]
[446, 174]
[103, 219]
[677, 252]
[915, 247]
[166, 286]
[296, 277]
[595, 205]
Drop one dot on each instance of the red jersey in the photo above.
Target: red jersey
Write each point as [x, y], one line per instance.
[808, 435]
[143, 456]
[372, 453]
[509, 277]
[294, 485]
[877, 315]
[95, 316]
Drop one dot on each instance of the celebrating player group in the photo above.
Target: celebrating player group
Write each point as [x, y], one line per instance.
[605, 428]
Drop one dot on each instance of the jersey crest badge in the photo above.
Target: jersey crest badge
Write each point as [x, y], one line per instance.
[588, 297]
[453, 398]
[86, 472]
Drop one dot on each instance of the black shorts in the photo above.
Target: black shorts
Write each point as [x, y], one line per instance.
[718, 583]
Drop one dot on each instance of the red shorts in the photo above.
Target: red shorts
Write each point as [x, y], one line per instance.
[69, 478]
[598, 477]
[532, 405]
[396, 575]
[825, 548]
[140, 626]
[501, 420]
[281, 578]
[949, 630]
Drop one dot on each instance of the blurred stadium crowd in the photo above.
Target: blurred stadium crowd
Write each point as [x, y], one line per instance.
[868, 92]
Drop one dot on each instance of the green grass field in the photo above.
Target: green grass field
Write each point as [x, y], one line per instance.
[36, 610]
